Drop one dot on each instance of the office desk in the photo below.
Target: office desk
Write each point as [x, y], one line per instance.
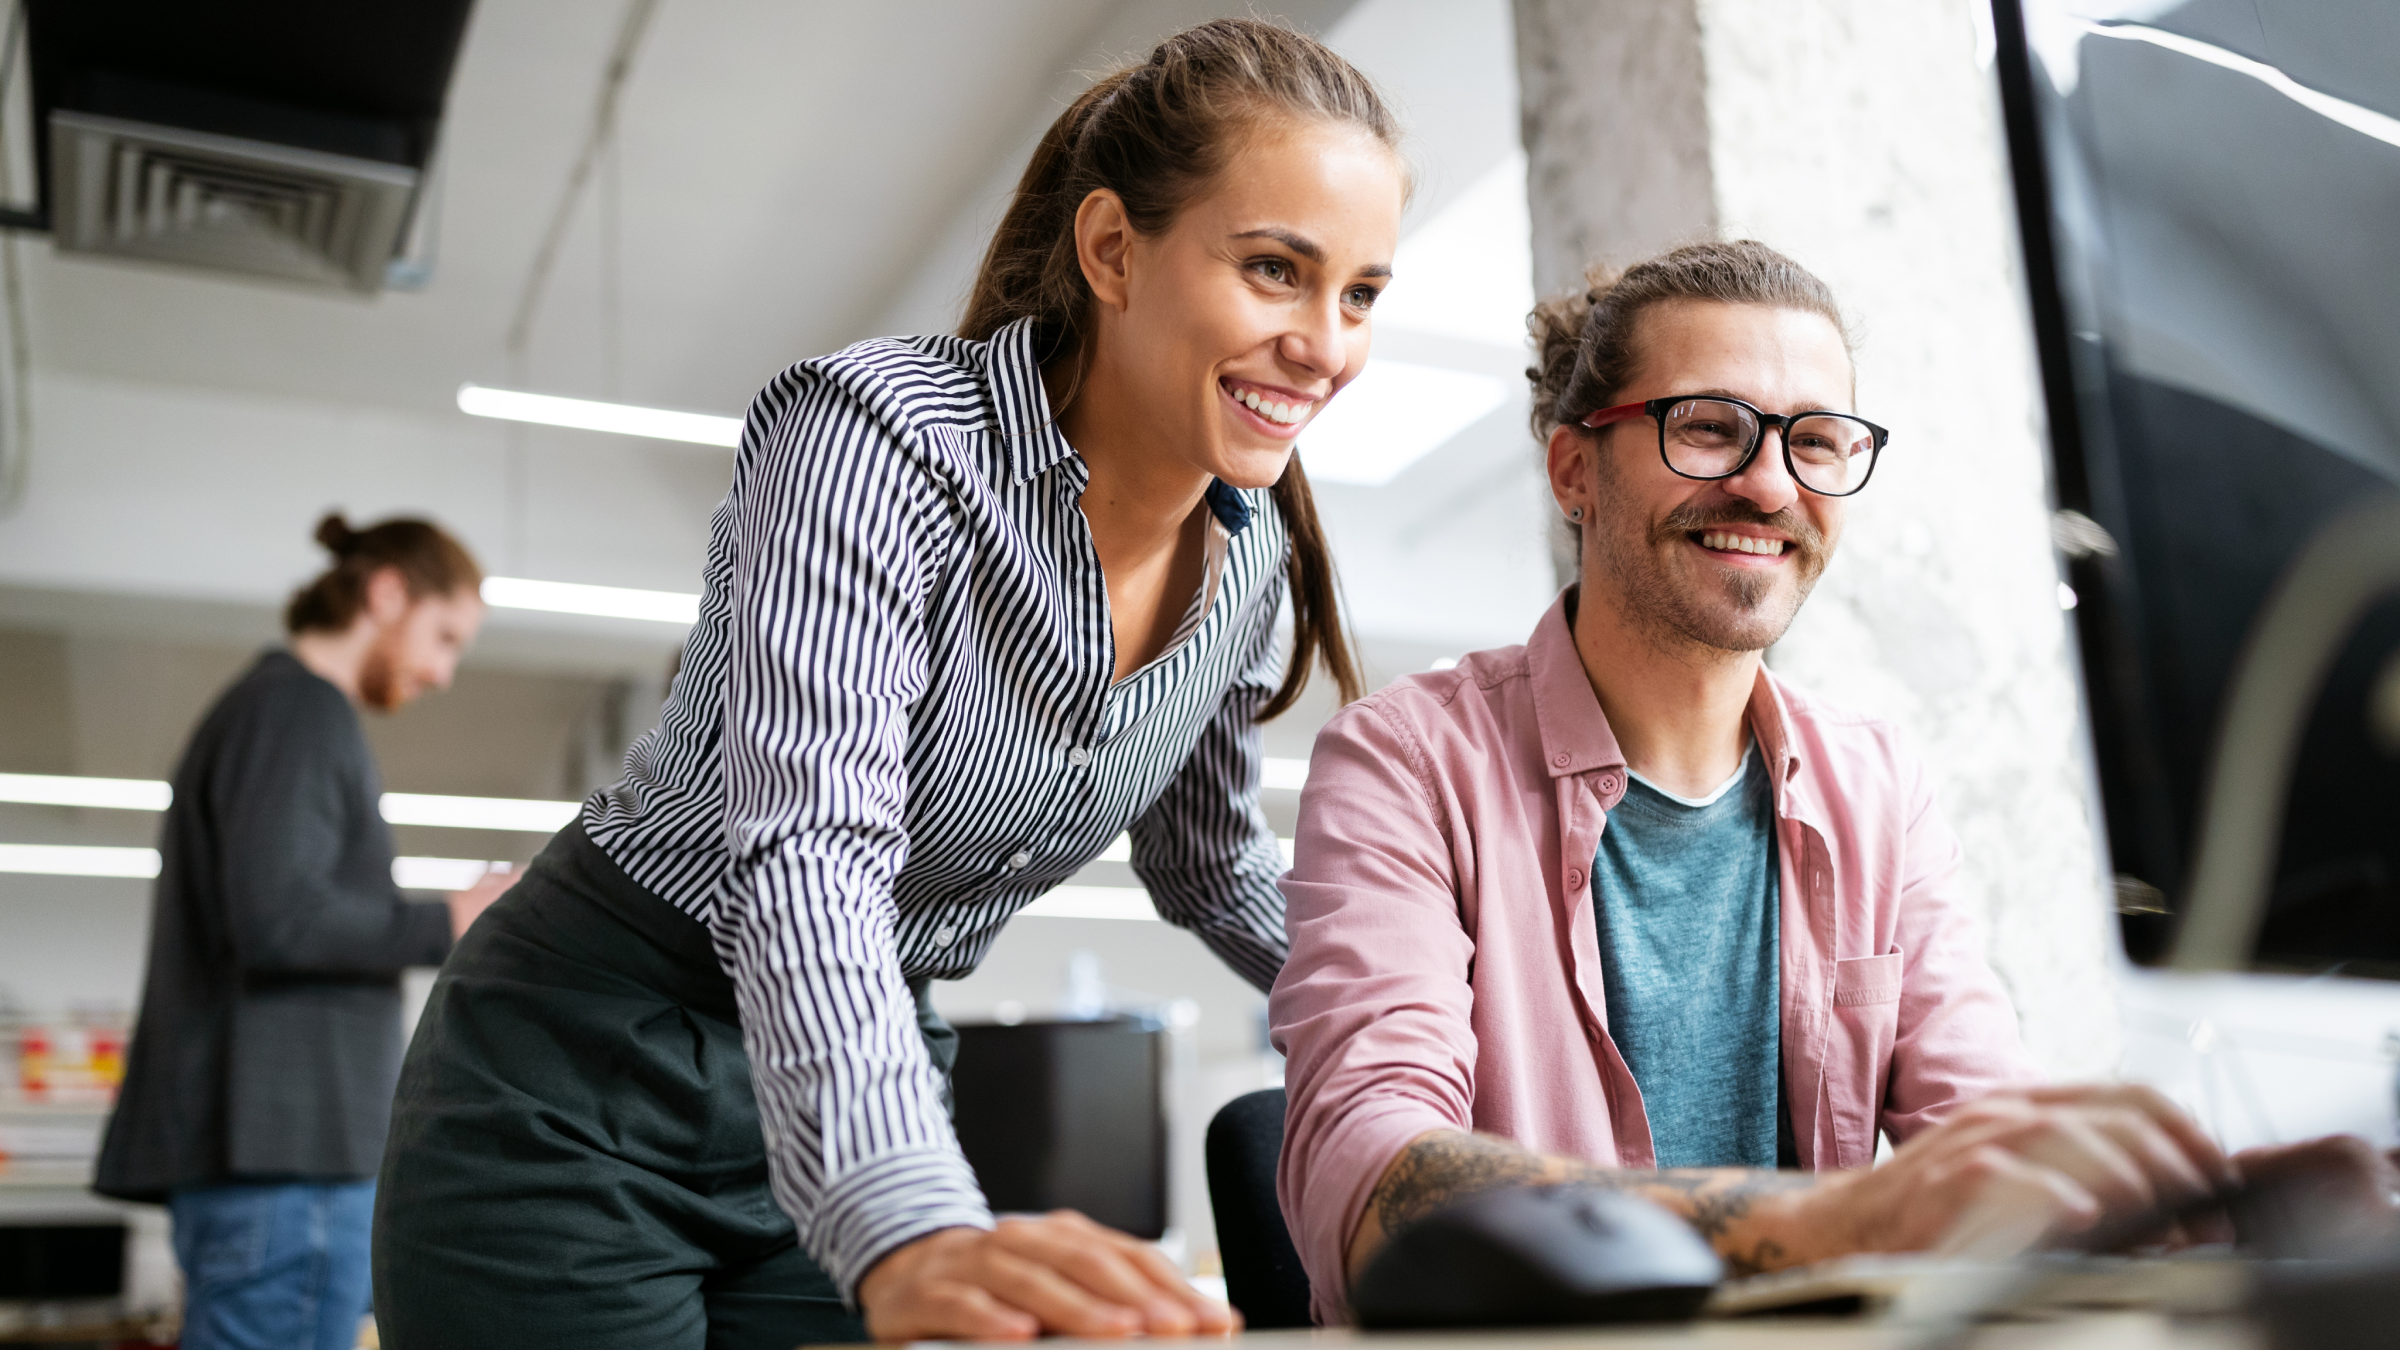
[2073, 1331]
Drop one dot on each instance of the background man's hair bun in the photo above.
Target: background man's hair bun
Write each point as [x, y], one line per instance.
[336, 535]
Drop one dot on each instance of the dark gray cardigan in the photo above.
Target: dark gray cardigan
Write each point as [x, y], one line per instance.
[269, 1038]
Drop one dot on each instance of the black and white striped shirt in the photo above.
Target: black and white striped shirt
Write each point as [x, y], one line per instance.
[894, 727]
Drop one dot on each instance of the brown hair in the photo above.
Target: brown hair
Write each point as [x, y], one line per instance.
[1155, 134]
[428, 559]
[1585, 346]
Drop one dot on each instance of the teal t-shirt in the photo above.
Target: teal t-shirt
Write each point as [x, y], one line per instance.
[1685, 894]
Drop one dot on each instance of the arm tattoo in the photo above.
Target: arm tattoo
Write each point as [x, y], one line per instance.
[1441, 1168]
[1715, 1200]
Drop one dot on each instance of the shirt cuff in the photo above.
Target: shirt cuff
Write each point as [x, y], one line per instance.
[886, 1204]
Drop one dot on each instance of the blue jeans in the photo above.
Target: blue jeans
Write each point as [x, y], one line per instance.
[282, 1266]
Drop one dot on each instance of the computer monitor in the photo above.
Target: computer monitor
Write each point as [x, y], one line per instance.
[2209, 195]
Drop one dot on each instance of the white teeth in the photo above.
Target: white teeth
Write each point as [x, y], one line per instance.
[1268, 408]
[1741, 543]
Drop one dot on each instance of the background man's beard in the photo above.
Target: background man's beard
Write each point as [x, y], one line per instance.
[1749, 611]
[379, 677]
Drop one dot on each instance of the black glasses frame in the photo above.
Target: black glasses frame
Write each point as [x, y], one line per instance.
[1656, 410]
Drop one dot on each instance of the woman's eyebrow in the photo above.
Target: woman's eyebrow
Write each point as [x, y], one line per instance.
[1307, 248]
[1297, 243]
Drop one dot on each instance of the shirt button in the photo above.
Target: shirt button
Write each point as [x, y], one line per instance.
[1079, 757]
[1574, 876]
[1562, 761]
[1018, 859]
[1608, 782]
[942, 937]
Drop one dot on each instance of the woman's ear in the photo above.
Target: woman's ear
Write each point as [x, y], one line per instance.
[1103, 243]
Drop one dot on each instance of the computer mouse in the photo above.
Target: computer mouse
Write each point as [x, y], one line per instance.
[1538, 1256]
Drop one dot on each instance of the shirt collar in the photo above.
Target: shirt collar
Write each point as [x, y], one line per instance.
[1575, 732]
[1020, 404]
[1770, 722]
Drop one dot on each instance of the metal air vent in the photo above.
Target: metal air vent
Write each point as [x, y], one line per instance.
[138, 190]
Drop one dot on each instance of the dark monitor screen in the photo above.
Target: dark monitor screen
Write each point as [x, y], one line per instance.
[2209, 193]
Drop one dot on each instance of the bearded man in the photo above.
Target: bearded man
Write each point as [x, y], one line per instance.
[258, 1086]
[1621, 905]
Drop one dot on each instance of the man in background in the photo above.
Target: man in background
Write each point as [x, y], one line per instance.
[259, 1082]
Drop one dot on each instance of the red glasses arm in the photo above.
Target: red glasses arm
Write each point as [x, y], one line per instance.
[1623, 412]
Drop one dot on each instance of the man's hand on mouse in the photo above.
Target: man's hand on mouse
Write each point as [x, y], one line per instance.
[1059, 1273]
[2320, 1197]
[2019, 1168]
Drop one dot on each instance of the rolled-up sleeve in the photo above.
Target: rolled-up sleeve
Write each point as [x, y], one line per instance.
[1372, 1009]
[834, 534]
[1204, 848]
[1957, 1038]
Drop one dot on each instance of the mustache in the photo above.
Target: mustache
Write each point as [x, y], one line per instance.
[1806, 539]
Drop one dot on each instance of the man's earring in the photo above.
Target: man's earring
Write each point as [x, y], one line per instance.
[1576, 515]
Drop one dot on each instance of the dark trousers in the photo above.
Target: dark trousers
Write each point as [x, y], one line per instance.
[575, 1155]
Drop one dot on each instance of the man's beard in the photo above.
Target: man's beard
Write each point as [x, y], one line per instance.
[379, 681]
[1749, 610]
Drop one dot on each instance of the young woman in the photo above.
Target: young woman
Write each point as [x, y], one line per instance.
[974, 606]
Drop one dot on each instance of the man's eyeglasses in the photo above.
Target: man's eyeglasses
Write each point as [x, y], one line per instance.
[1712, 437]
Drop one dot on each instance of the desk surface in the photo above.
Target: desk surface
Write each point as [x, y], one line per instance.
[2073, 1331]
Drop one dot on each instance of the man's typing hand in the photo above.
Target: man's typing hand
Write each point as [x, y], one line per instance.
[1061, 1274]
[2017, 1169]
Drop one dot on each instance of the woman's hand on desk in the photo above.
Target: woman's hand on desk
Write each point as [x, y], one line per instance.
[2012, 1170]
[1060, 1273]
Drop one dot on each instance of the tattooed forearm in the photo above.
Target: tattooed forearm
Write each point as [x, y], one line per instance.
[1440, 1168]
[1721, 1203]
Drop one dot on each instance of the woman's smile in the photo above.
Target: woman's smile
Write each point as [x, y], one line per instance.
[1271, 409]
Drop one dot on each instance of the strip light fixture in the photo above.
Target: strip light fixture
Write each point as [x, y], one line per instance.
[528, 814]
[1284, 775]
[111, 794]
[142, 864]
[584, 414]
[478, 813]
[1093, 902]
[79, 860]
[609, 602]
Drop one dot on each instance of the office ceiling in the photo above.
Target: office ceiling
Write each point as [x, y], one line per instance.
[789, 177]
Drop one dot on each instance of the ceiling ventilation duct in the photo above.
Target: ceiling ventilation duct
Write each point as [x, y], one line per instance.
[277, 138]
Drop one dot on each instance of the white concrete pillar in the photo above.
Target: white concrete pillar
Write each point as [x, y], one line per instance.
[1861, 137]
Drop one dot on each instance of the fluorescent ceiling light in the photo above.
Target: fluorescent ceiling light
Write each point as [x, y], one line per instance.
[1093, 902]
[478, 813]
[79, 860]
[115, 794]
[625, 419]
[1120, 850]
[1468, 272]
[2366, 121]
[440, 874]
[1286, 775]
[611, 602]
[1394, 414]
[532, 815]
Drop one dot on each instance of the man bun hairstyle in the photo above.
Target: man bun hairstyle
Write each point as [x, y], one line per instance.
[429, 561]
[1156, 134]
[1585, 344]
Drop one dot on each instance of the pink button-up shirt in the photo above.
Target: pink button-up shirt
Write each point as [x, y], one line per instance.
[1445, 969]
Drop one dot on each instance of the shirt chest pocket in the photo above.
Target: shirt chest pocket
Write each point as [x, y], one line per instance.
[1863, 981]
[1865, 1023]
